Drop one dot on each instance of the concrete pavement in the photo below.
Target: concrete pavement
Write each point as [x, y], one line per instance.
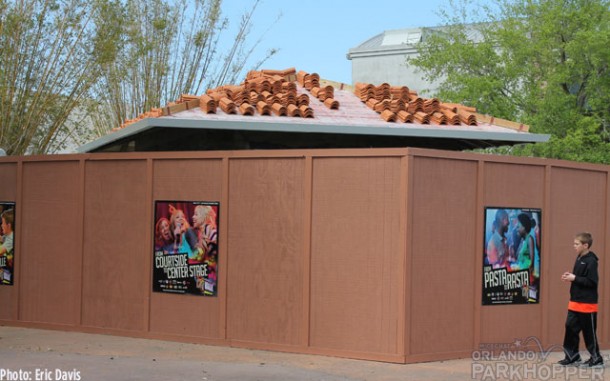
[33, 354]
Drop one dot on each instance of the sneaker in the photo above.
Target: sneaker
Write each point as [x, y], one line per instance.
[568, 361]
[590, 363]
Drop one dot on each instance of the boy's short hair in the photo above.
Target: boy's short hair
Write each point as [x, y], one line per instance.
[585, 237]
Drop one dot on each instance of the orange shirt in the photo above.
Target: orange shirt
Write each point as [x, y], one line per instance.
[582, 307]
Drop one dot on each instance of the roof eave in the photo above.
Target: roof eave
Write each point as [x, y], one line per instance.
[425, 132]
[402, 49]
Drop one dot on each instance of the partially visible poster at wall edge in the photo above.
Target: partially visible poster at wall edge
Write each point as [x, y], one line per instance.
[185, 255]
[7, 243]
[511, 255]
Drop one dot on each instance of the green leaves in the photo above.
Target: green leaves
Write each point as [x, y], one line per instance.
[583, 143]
[541, 62]
[45, 60]
[71, 70]
[166, 49]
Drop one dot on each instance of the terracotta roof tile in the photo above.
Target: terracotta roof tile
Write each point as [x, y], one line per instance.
[303, 99]
[439, 118]
[187, 98]
[431, 105]
[289, 86]
[278, 109]
[293, 110]
[448, 106]
[382, 92]
[306, 111]
[287, 98]
[422, 117]
[207, 104]
[308, 81]
[331, 103]
[256, 97]
[404, 116]
[452, 117]
[325, 92]
[397, 105]
[382, 105]
[292, 94]
[388, 116]
[246, 109]
[227, 105]
[364, 91]
[371, 103]
[467, 118]
[400, 92]
[414, 107]
[263, 108]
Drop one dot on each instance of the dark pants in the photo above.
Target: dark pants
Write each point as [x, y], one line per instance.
[587, 323]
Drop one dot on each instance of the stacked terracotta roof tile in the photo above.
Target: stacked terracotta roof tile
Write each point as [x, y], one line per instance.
[274, 92]
[394, 103]
[325, 94]
[153, 113]
[264, 92]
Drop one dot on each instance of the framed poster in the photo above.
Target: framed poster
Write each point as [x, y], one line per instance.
[511, 256]
[7, 244]
[185, 256]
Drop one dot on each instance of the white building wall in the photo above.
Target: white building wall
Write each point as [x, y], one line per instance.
[392, 69]
[382, 58]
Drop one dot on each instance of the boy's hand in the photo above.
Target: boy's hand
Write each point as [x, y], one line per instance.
[568, 277]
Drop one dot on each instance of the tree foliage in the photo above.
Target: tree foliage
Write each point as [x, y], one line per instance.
[46, 69]
[165, 51]
[542, 62]
[74, 69]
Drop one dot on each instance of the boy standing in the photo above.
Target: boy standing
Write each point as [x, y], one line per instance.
[582, 308]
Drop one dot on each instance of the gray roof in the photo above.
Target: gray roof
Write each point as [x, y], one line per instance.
[388, 41]
[393, 37]
[404, 40]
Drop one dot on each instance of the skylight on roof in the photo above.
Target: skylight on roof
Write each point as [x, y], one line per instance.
[400, 37]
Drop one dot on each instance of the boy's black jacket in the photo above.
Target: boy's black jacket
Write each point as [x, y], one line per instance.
[584, 287]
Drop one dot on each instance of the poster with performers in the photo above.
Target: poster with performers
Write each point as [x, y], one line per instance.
[511, 256]
[185, 256]
[7, 243]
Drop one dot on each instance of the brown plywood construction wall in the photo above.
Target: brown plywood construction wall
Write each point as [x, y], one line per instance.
[442, 273]
[579, 202]
[265, 245]
[115, 245]
[365, 253]
[52, 217]
[356, 266]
